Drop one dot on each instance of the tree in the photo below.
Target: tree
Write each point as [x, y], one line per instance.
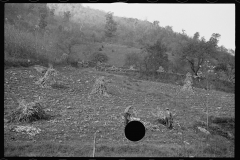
[196, 51]
[132, 59]
[43, 21]
[67, 15]
[196, 36]
[66, 40]
[214, 39]
[232, 52]
[51, 12]
[111, 25]
[156, 56]
[31, 8]
[156, 23]
[43, 14]
[99, 57]
[226, 65]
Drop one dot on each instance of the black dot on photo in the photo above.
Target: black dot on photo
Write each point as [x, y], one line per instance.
[134, 131]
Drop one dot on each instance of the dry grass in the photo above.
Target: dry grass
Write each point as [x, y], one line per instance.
[28, 112]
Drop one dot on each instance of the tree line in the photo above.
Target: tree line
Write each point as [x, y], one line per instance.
[175, 52]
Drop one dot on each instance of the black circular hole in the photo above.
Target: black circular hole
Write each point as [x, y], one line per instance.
[134, 131]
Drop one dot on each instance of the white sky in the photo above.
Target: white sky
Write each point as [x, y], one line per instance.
[203, 18]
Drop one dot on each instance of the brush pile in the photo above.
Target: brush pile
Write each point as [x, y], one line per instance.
[27, 112]
[47, 80]
[99, 87]
[188, 82]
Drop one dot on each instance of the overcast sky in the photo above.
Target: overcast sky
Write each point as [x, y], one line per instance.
[203, 18]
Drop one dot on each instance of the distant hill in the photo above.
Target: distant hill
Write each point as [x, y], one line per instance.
[130, 33]
[88, 27]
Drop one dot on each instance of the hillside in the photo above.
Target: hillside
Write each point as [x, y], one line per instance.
[115, 52]
[87, 26]
[74, 118]
[66, 116]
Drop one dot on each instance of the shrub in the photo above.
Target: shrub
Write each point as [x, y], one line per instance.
[16, 62]
[72, 62]
[28, 112]
[21, 44]
[99, 57]
[216, 84]
[18, 43]
[92, 64]
[172, 78]
[132, 59]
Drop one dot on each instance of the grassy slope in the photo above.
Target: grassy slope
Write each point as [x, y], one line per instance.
[115, 52]
[70, 132]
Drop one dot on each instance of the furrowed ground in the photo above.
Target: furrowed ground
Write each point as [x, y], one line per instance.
[75, 118]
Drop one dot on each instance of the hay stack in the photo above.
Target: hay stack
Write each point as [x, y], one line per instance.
[47, 80]
[188, 82]
[99, 87]
[28, 112]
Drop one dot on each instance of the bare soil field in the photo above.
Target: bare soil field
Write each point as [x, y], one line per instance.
[75, 117]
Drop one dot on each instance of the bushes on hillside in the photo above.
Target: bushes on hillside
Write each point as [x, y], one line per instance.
[132, 59]
[99, 57]
[178, 79]
[19, 44]
[28, 112]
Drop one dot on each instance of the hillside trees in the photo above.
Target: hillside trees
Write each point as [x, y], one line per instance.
[20, 14]
[43, 14]
[156, 57]
[66, 40]
[156, 23]
[176, 64]
[98, 57]
[13, 11]
[132, 59]
[23, 38]
[68, 35]
[111, 25]
[226, 66]
[196, 51]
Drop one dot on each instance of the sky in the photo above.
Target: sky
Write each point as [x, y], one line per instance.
[203, 18]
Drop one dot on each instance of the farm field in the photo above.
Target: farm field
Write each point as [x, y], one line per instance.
[75, 117]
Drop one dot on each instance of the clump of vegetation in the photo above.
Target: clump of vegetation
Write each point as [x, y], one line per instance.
[223, 126]
[99, 87]
[48, 78]
[28, 112]
[99, 57]
[188, 83]
[111, 25]
[132, 59]
[73, 63]
[221, 120]
[16, 62]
